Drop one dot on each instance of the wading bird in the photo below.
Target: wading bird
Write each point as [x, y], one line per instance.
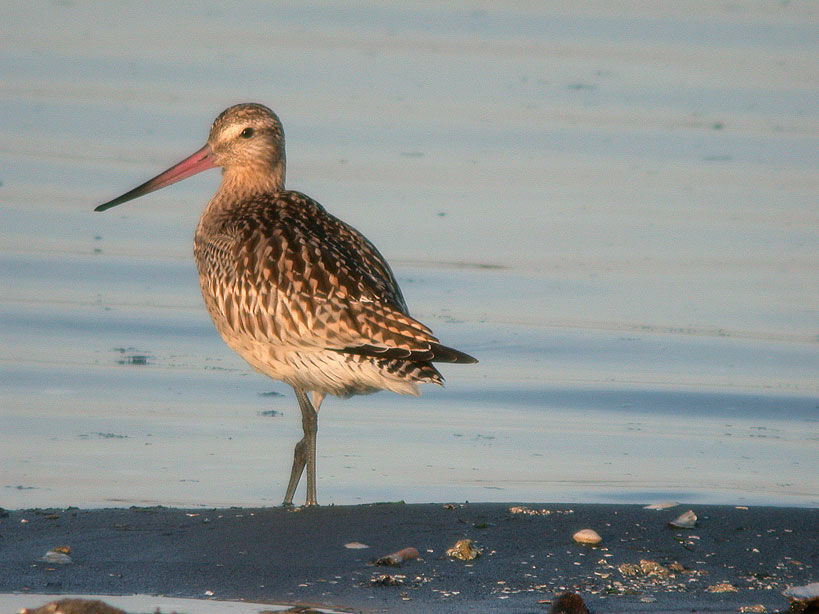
[303, 297]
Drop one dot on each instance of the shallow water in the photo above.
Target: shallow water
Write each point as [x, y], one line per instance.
[615, 210]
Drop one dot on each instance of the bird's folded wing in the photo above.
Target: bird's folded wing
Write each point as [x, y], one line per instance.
[300, 276]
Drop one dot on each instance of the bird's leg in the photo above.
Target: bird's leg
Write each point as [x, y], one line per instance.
[304, 453]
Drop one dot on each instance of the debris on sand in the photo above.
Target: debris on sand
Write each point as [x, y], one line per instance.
[74, 606]
[645, 568]
[397, 558]
[386, 579]
[528, 511]
[588, 537]
[722, 587]
[463, 550]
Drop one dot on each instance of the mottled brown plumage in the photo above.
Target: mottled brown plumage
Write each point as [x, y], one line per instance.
[303, 297]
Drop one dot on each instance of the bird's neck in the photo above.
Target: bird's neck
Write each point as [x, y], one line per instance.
[238, 186]
[247, 181]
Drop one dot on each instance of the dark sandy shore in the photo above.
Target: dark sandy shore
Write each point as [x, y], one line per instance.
[734, 557]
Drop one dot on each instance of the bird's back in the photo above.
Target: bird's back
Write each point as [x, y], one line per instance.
[307, 299]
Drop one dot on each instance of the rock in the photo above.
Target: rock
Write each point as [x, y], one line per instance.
[569, 603]
[463, 550]
[588, 537]
[686, 520]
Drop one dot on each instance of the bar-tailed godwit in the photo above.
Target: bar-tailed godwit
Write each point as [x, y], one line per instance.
[303, 297]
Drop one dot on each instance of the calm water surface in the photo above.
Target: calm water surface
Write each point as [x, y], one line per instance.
[613, 207]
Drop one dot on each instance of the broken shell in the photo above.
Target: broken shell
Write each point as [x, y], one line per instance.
[54, 557]
[396, 558]
[463, 550]
[589, 537]
[355, 546]
[808, 593]
[686, 520]
[662, 505]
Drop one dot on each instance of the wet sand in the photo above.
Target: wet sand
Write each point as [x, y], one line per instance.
[299, 556]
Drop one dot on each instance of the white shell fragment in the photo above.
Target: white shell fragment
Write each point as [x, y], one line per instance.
[55, 557]
[356, 546]
[808, 592]
[662, 505]
[589, 537]
[686, 520]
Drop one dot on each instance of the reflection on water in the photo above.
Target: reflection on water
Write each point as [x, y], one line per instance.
[621, 227]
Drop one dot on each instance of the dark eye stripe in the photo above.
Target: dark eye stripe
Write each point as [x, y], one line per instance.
[246, 133]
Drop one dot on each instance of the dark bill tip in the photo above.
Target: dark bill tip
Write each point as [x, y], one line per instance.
[196, 163]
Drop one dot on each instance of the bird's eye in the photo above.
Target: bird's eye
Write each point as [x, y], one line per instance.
[246, 133]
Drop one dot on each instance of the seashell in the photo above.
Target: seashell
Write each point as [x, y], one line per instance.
[55, 557]
[396, 558]
[589, 537]
[662, 505]
[686, 520]
[463, 550]
[807, 593]
[356, 546]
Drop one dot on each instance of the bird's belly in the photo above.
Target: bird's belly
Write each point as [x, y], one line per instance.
[275, 349]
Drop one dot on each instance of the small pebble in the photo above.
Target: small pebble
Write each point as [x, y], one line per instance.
[589, 537]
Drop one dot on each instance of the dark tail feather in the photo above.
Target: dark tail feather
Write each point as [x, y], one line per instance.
[435, 353]
[442, 353]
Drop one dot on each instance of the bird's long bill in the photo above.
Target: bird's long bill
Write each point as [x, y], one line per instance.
[196, 163]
